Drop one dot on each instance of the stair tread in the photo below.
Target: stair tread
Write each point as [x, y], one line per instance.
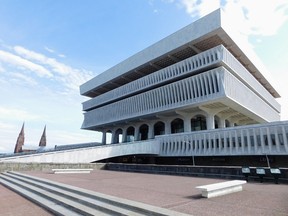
[80, 198]
[72, 204]
[145, 209]
[48, 204]
[129, 207]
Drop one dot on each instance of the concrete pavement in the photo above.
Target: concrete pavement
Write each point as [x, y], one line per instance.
[177, 193]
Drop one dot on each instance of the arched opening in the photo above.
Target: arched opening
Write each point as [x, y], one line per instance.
[198, 123]
[118, 136]
[227, 123]
[177, 126]
[143, 132]
[216, 122]
[159, 128]
[130, 134]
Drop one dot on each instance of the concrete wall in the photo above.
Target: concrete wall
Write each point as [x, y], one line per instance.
[46, 167]
[87, 155]
[199, 171]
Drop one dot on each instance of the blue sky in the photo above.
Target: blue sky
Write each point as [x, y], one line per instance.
[49, 47]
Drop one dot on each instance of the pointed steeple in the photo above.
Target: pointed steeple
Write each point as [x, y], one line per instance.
[42, 142]
[20, 140]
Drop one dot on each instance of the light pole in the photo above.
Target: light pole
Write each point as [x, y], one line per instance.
[267, 159]
[193, 159]
[268, 163]
[192, 152]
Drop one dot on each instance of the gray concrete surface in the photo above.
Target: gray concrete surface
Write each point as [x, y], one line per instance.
[173, 192]
[12, 204]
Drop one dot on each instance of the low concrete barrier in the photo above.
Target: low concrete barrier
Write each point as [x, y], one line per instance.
[198, 171]
[222, 188]
[71, 171]
[47, 167]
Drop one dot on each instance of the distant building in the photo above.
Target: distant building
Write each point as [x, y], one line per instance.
[20, 147]
[20, 141]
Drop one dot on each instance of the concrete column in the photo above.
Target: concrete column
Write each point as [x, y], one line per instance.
[211, 112]
[124, 135]
[285, 138]
[210, 121]
[136, 133]
[167, 127]
[187, 124]
[103, 137]
[187, 120]
[151, 131]
[222, 123]
[113, 136]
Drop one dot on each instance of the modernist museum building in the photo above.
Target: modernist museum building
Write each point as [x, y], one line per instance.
[198, 96]
[197, 92]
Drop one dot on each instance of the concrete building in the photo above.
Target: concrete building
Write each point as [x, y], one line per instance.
[21, 148]
[198, 96]
[197, 79]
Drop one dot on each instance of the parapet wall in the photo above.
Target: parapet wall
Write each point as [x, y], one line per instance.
[198, 171]
[46, 167]
[183, 170]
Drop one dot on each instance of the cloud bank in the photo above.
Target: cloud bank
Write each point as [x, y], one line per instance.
[255, 17]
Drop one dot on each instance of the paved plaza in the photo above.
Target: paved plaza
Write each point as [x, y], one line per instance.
[177, 193]
[12, 204]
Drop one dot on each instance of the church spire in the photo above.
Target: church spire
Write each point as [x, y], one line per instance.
[20, 141]
[42, 142]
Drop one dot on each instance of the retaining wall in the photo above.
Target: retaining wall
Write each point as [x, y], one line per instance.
[197, 171]
[47, 166]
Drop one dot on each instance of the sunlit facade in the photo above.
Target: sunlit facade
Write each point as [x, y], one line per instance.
[196, 80]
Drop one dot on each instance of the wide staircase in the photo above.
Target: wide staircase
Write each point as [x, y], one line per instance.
[62, 199]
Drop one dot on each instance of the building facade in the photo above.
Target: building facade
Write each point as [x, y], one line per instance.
[195, 91]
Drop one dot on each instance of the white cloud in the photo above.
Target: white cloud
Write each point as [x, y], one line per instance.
[53, 51]
[49, 50]
[68, 76]
[1, 68]
[7, 126]
[258, 17]
[61, 137]
[43, 101]
[22, 63]
[200, 8]
[30, 81]
[61, 55]
[17, 114]
[255, 17]
[57, 67]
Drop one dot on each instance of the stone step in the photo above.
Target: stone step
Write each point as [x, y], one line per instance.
[91, 199]
[70, 207]
[51, 206]
[75, 197]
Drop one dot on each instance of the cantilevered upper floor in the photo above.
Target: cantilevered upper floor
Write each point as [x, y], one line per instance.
[206, 33]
